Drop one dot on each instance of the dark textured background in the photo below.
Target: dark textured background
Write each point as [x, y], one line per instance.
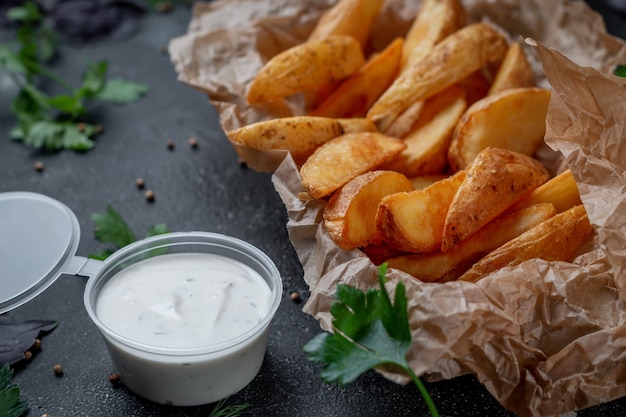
[196, 189]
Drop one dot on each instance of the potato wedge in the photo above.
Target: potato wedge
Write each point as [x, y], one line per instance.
[476, 86]
[343, 158]
[357, 93]
[428, 141]
[556, 239]
[514, 71]
[561, 191]
[435, 20]
[513, 119]
[300, 135]
[413, 221]
[496, 180]
[422, 181]
[446, 266]
[306, 66]
[350, 215]
[454, 58]
[348, 17]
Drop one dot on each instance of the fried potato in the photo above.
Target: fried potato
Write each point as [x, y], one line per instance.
[343, 158]
[356, 124]
[556, 239]
[435, 20]
[454, 58]
[561, 191]
[422, 181]
[428, 141]
[446, 266]
[514, 71]
[348, 17]
[496, 180]
[306, 66]
[413, 221]
[357, 93]
[512, 119]
[476, 86]
[300, 135]
[350, 215]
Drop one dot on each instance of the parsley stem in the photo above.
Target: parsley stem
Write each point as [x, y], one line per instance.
[422, 389]
[36, 68]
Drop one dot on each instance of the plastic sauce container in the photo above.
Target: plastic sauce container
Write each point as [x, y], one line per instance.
[185, 316]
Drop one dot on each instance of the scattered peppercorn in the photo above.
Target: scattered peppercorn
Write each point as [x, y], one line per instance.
[81, 127]
[58, 369]
[99, 128]
[149, 195]
[114, 378]
[295, 296]
[140, 183]
[170, 144]
[45, 415]
[163, 6]
[193, 142]
[28, 355]
[37, 344]
[38, 166]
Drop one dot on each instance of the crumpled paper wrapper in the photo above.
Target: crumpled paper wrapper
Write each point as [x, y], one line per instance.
[545, 338]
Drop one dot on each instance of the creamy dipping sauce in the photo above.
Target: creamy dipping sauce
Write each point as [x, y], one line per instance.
[184, 300]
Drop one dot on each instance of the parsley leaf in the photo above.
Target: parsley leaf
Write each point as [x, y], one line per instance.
[620, 71]
[121, 91]
[368, 331]
[110, 227]
[10, 403]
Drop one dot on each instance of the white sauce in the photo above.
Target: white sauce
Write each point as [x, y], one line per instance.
[184, 300]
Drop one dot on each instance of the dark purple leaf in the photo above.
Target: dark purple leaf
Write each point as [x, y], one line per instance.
[16, 337]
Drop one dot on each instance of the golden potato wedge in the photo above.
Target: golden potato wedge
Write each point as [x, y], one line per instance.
[496, 180]
[300, 135]
[355, 95]
[561, 191]
[435, 20]
[356, 124]
[341, 159]
[556, 239]
[512, 119]
[348, 17]
[405, 121]
[413, 221]
[306, 66]
[454, 58]
[476, 86]
[446, 266]
[514, 71]
[428, 141]
[350, 215]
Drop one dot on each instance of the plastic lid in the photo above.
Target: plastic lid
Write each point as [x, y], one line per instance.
[39, 237]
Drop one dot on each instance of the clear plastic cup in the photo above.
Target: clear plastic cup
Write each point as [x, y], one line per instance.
[186, 376]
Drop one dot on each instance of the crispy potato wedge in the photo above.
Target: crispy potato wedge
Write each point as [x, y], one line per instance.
[561, 191]
[306, 66]
[476, 86]
[514, 71]
[496, 180]
[435, 20]
[300, 135]
[428, 141]
[343, 158]
[356, 124]
[348, 17]
[350, 215]
[513, 119]
[405, 121]
[556, 239]
[357, 93]
[413, 221]
[454, 58]
[446, 266]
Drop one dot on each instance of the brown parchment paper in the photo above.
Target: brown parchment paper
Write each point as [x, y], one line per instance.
[545, 338]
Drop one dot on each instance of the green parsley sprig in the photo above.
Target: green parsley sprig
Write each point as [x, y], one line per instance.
[222, 409]
[54, 122]
[620, 71]
[11, 405]
[368, 331]
[111, 228]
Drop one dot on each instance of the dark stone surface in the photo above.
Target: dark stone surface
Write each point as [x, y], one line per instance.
[196, 189]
